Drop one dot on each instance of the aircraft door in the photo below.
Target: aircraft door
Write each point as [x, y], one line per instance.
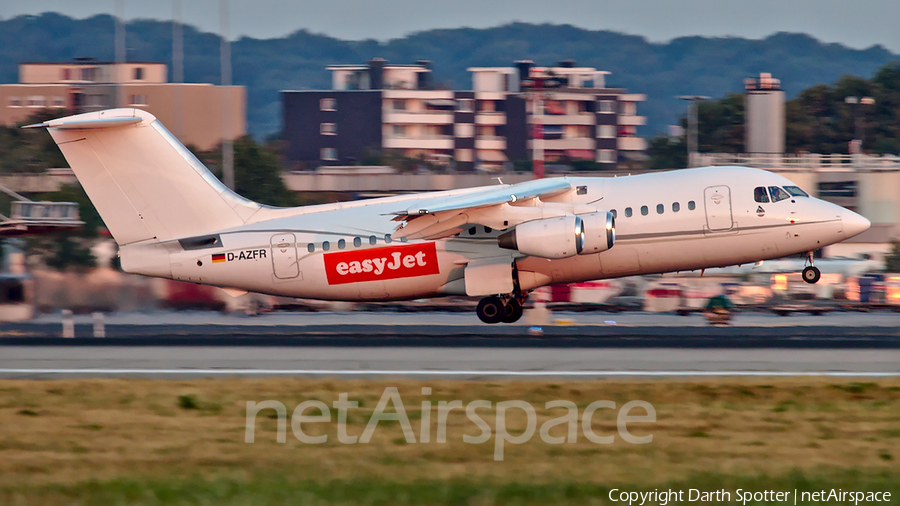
[284, 256]
[717, 201]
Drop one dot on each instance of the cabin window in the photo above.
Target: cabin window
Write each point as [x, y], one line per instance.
[676, 207]
[660, 208]
[311, 247]
[326, 246]
[795, 191]
[472, 231]
[614, 213]
[628, 212]
[342, 244]
[372, 240]
[387, 238]
[357, 242]
[404, 239]
[760, 195]
[691, 205]
[644, 211]
[778, 194]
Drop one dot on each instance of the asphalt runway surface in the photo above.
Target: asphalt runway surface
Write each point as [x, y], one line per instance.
[370, 345]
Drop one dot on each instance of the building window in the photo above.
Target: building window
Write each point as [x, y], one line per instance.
[399, 105]
[58, 102]
[138, 100]
[88, 74]
[607, 106]
[15, 102]
[36, 101]
[465, 105]
[606, 131]
[329, 154]
[138, 73]
[66, 74]
[628, 109]
[328, 129]
[327, 104]
[606, 155]
[399, 130]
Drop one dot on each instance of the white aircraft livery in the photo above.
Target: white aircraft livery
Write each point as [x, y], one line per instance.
[173, 219]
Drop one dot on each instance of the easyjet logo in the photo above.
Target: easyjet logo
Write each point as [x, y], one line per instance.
[406, 261]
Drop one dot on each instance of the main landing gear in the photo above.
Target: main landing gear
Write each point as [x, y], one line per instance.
[811, 273]
[496, 309]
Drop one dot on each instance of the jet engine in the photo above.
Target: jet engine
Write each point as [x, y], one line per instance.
[562, 237]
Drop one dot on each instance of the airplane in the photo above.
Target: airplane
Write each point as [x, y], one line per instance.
[173, 219]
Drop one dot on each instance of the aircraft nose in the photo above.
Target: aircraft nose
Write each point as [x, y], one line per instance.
[853, 224]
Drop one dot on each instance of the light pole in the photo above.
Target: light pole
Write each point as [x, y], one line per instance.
[859, 133]
[692, 126]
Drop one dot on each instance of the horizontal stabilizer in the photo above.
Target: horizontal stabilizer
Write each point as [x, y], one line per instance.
[63, 124]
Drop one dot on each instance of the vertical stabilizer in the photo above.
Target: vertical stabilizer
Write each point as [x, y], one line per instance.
[144, 183]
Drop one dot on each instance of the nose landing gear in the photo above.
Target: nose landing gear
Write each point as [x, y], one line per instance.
[811, 273]
[495, 309]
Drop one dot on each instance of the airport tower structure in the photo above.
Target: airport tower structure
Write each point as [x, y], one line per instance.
[765, 116]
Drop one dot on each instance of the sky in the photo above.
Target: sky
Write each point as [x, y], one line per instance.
[855, 23]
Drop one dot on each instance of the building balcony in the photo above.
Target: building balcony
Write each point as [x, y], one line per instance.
[632, 120]
[433, 142]
[418, 118]
[583, 118]
[580, 143]
[490, 118]
[490, 143]
[631, 144]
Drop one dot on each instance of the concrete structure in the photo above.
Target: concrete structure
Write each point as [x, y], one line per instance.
[765, 115]
[381, 106]
[192, 111]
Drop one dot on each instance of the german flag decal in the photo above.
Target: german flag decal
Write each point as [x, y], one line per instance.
[218, 257]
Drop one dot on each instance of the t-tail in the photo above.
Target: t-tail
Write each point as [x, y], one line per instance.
[148, 188]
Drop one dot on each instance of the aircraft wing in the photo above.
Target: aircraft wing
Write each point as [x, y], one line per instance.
[497, 207]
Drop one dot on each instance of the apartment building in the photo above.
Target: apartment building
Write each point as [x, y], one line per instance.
[199, 114]
[561, 113]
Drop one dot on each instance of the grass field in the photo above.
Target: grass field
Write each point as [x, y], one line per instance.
[129, 441]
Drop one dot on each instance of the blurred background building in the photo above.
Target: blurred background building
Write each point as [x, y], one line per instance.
[382, 106]
[192, 111]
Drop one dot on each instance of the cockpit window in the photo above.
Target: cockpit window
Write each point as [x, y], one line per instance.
[795, 191]
[760, 195]
[778, 194]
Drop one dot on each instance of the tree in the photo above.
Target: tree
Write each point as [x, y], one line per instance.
[69, 249]
[892, 261]
[257, 175]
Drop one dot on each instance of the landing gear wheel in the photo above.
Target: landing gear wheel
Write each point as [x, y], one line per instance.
[513, 311]
[491, 310]
[811, 274]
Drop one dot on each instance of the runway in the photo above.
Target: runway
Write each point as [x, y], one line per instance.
[447, 346]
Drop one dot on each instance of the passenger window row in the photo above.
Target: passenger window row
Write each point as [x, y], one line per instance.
[660, 209]
[357, 242]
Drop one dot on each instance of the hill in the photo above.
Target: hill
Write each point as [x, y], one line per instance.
[687, 65]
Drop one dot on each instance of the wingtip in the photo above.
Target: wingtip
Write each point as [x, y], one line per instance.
[37, 125]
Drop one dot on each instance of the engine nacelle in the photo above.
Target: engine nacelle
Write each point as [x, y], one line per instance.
[599, 232]
[561, 237]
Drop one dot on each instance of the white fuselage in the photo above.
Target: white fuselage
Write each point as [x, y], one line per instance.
[693, 219]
